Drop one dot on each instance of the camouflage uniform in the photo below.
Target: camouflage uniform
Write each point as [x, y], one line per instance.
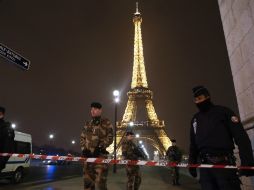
[174, 155]
[96, 136]
[130, 151]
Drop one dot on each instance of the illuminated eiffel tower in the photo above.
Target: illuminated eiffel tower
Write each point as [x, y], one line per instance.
[152, 130]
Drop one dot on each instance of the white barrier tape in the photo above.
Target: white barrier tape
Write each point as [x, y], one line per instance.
[125, 162]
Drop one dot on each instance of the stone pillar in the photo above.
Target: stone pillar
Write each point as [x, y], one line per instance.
[238, 23]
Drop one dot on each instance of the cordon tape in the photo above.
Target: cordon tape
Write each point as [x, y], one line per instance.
[124, 162]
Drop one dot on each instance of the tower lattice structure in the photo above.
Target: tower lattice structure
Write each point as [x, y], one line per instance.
[152, 130]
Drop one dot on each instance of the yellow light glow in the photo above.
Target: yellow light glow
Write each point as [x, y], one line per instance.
[139, 90]
[139, 73]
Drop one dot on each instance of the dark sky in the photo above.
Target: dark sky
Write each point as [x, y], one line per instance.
[80, 51]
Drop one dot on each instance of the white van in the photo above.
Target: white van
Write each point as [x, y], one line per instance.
[17, 167]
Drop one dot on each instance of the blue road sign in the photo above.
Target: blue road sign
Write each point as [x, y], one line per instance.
[12, 56]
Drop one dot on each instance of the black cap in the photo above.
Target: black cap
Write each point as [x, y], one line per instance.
[96, 105]
[200, 90]
[2, 109]
[129, 133]
[173, 140]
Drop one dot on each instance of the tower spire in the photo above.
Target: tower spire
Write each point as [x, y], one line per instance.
[137, 12]
[139, 73]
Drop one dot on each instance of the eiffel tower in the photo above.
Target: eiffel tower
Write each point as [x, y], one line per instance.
[152, 130]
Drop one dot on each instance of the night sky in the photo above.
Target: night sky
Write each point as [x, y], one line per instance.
[80, 51]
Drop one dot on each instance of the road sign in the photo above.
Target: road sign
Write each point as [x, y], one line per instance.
[12, 56]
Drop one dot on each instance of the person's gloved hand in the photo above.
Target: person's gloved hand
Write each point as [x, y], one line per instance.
[87, 153]
[96, 152]
[104, 151]
[99, 151]
[193, 172]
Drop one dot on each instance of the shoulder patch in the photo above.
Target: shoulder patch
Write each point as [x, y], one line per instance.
[235, 119]
[195, 124]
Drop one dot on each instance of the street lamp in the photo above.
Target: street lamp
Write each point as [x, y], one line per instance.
[13, 125]
[73, 142]
[131, 124]
[116, 94]
[51, 136]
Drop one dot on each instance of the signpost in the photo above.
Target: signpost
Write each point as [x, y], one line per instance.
[12, 56]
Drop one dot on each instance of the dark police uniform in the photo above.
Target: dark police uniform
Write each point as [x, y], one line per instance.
[6, 141]
[212, 135]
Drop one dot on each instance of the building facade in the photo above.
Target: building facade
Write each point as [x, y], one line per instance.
[237, 18]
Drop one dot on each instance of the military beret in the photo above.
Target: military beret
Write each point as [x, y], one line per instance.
[96, 105]
[200, 90]
[2, 109]
[129, 133]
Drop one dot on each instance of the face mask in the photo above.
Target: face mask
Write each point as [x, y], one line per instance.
[205, 105]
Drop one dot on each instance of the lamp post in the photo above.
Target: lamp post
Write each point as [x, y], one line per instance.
[51, 137]
[116, 100]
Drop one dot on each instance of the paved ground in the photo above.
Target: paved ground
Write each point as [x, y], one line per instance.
[153, 178]
[70, 177]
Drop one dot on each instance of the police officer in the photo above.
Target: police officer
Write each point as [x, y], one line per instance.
[214, 129]
[96, 136]
[174, 154]
[6, 139]
[130, 151]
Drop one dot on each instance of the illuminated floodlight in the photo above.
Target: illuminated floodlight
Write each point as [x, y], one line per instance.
[13, 125]
[51, 136]
[116, 93]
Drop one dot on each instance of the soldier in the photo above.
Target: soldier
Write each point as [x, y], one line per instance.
[96, 136]
[214, 129]
[6, 139]
[131, 151]
[174, 154]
